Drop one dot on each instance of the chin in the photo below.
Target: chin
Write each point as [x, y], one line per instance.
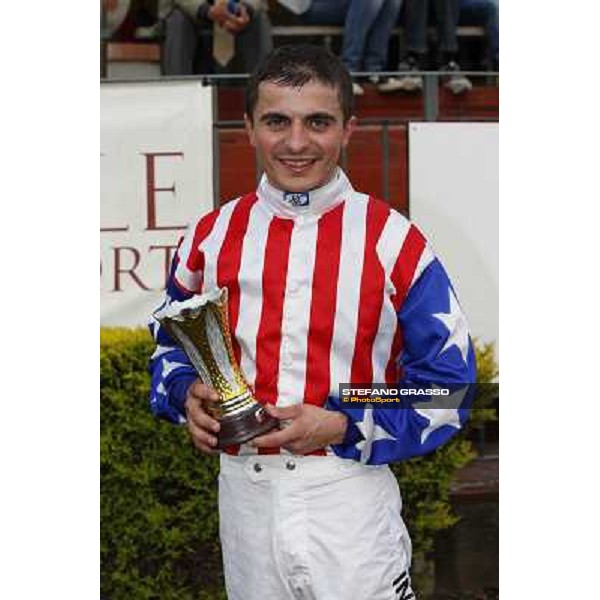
[301, 183]
[298, 185]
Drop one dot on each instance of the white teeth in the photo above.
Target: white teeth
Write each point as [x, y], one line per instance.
[297, 163]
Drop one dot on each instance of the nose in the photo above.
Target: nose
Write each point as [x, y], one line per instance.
[297, 139]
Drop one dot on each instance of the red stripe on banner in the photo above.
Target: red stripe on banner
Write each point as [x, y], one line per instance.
[402, 276]
[229, 260]
[195, 259]
[372, 286]
[323, 306]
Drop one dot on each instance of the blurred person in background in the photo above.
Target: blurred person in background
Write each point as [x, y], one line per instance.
[446, 13]
[240, 39]
[114, 17]
[368, 26]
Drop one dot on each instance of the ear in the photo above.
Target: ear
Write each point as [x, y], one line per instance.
[249, 129]
[349, 128]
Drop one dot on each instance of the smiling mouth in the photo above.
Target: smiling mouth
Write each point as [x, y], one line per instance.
[298, 165]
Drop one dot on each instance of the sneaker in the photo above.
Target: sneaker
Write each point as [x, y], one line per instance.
[405, 83]
[388, 85]
[151, 32]
[455, 81]
[357, 89]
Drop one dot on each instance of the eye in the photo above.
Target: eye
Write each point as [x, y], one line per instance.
[319, 123]
[276, 122]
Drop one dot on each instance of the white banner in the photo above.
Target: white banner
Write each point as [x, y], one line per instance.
[453, 198]
[156, 178]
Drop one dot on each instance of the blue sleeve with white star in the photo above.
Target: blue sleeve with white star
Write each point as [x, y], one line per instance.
[437, 352]
[170, 369]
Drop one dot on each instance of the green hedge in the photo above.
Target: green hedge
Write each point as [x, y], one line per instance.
[159, 534]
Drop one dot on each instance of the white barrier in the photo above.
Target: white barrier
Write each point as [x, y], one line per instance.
[453, 198]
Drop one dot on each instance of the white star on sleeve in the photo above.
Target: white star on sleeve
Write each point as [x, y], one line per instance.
[160, 350]
[371, 432]
[457, 326]
[169, 366]
[438, 417]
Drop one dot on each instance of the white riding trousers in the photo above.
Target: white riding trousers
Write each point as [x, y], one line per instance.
[312, 528]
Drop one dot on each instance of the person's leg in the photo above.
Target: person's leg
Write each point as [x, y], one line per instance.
[378, 39]
[413, 49]
[446, 15]
[329, 12]
[255, 565]
[180, 44]
[254, 43]
[447, 12]
[357, 16]
[492, 28]
[493, 33]
[360, 18]
[416, 12]
[483, 13]
[358, 545]
[325, 12]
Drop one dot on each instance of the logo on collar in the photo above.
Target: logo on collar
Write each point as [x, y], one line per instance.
[296, 198]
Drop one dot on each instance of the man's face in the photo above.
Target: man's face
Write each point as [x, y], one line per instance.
[298, 134]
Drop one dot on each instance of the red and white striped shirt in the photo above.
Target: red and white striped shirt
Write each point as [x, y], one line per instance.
[314, 291]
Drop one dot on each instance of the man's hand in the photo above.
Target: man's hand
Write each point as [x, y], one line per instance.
[201, 425]
[237, 23]
[310, 427]
[218, 12]
[232, 23]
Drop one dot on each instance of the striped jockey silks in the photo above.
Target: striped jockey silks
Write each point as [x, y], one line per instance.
[342, 289]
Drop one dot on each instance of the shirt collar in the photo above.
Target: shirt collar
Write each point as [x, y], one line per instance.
[315, 202]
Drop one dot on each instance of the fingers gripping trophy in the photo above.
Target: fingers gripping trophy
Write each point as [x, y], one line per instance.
[200, 326]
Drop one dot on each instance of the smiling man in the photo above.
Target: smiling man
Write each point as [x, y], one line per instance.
[326, 285]
[299, 129]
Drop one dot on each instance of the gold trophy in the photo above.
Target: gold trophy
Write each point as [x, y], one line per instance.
[200, 326]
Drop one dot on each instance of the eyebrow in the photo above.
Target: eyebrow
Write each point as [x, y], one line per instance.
[316, 115]
[272, 115]
[321, 115]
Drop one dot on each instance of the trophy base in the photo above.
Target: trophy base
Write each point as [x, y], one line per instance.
[241, 428]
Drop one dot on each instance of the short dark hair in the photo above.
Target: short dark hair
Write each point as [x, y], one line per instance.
[295, 65]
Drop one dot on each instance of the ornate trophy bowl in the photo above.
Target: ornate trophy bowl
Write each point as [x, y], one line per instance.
[200, 326]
